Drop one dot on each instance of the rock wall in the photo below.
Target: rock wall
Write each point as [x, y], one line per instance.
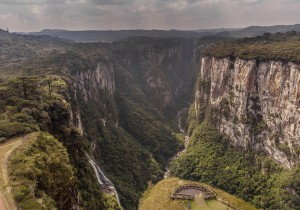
[75, 116]
[256, 104]
[161, 68]
[155, 65]
[90, 80]
[87, 85]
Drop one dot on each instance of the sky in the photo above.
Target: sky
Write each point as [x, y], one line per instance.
[35, 15]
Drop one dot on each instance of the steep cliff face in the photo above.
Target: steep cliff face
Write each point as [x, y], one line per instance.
[101, 77]
[162, 68]
[110, 109]
[89, 83]
[157, 85]
[256, 104]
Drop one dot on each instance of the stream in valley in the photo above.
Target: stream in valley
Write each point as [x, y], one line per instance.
[106, 185]
[186, 139]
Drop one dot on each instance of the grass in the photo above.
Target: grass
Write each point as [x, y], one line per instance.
[216, 205]
[211, 204]
[158, 198]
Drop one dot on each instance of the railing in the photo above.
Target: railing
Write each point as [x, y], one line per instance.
[207, 193]
[182, 196]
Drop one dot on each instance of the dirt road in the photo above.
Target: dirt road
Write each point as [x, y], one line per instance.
[6, 199]
[2, 203]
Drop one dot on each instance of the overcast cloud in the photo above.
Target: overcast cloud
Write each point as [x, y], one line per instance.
[35, 15]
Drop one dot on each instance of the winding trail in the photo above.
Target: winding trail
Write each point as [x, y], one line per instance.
[6, 198]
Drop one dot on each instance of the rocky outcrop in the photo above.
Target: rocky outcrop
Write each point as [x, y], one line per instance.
[88, 84]
[256, 104]
[162, 68]
[75, 116]
[90, 80]
[155, 64]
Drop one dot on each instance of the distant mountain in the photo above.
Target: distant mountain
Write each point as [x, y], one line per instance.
[217, 30]
[252, 31]
[109, 36]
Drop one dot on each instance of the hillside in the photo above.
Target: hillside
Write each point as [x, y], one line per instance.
[280, 46]
[157, 197]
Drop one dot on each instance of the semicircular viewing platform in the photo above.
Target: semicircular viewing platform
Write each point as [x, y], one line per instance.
[199, 194]
[189, 191]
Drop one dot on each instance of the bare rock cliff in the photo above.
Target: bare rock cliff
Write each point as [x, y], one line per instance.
[102, 77]
[90, 84]
[256, 104]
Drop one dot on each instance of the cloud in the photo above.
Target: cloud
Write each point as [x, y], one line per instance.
[112, 2]
[248, 1]
[31, 2]
[34, 15]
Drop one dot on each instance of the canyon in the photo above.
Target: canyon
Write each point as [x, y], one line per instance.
[125, 110]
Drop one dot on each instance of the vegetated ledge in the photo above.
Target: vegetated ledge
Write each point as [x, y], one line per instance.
[158, 197]
[283, 47]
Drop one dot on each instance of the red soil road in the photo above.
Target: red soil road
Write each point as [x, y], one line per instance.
[7, 202]
[2, 203]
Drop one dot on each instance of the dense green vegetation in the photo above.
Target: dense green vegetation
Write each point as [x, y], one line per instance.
[41, 175]
[26, 104]
[280, 46]
[210, 159]
[38, 103]
[123, 159]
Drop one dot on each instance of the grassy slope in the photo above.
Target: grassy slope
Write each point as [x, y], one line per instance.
[284, 47]
[158, 197]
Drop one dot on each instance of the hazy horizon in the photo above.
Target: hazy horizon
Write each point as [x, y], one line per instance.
[36, 15]
[170, 29]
